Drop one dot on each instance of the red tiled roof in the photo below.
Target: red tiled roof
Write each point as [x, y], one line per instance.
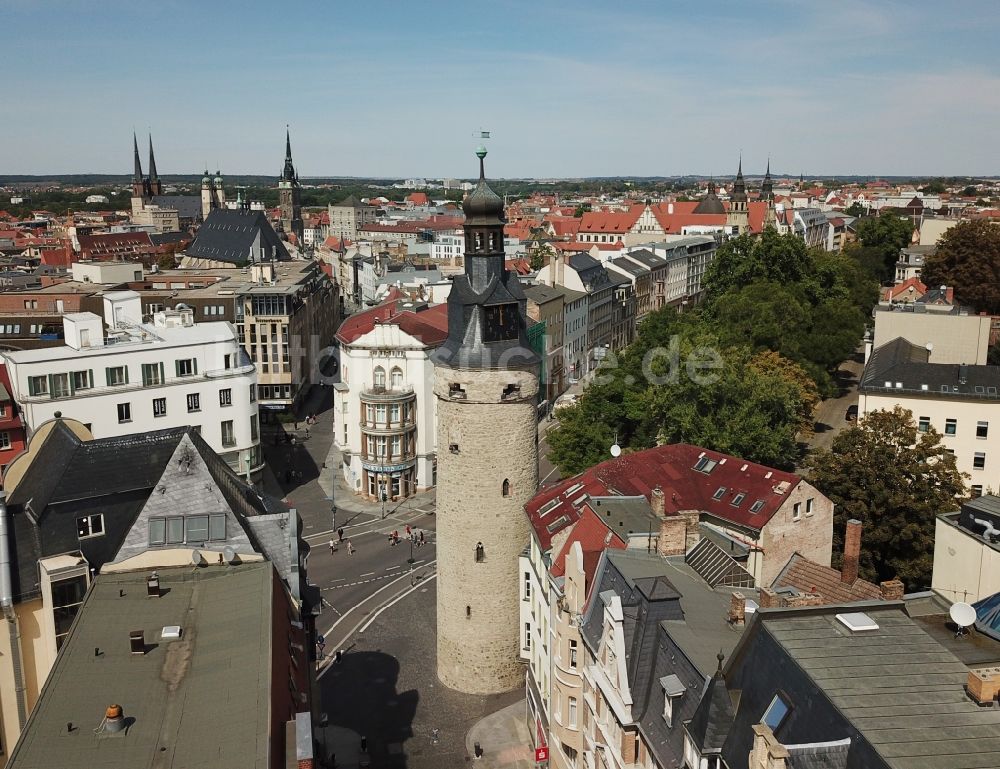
[594, 537]
[520, 266]
[672, 468]
[418, 198]
[604, 222]
[810, 577]
[564, 226]
[891, 292]
[334, 244]
[57, 257]
[429, 325]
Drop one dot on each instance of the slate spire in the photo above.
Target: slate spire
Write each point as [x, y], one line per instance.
[137, 174]
[152, 161]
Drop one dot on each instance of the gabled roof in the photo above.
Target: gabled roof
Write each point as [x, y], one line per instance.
[810, 577]
[229, 235]
[427, 324]
[902, 367]
[186, 206]
[672, 467]
[609, 222]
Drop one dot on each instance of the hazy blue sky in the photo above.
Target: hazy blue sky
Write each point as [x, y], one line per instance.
[568, 89]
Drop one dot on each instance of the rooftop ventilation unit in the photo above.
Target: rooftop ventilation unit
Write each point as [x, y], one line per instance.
[170, 632]
[857, 621]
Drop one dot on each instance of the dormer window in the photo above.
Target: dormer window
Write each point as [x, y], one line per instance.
[776, 713]
[673, 689]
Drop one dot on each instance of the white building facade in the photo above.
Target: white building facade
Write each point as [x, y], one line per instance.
[139, 377]
[384, 409]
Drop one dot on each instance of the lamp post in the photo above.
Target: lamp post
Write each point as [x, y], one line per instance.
[410, 560]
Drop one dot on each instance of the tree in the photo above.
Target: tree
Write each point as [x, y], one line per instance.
[887, 234]
[855, 209]
[744, 260]
[895, 480]
[540, 255]
[968, 259]
[935, 187]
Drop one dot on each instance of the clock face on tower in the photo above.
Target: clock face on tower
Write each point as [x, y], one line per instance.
[500, 322]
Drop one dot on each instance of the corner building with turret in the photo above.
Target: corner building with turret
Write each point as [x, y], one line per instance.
[486, 385]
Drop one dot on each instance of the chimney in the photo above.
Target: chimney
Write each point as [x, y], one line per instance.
[737, 609]
[852, 552]
[673, 536]
[656, 501]
[153, 585]
[984, 684]
[560, 268]
[137, 641]
[892, 590]
[114, 718]
[769, 599]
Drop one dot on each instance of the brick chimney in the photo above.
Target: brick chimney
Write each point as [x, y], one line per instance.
[673, 536]
[737, 609]
[768, 599]
[852, 552]
[892, 590]
[656, 501]
[984, 684]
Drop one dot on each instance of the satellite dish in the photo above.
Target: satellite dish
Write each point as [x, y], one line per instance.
[962, 614]
[229, 554]
[196, 557]
[616, 450]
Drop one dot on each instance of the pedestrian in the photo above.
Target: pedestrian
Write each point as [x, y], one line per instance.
[333, 547]
[307, 431]
[421, 536]
[350, 548]
[340, 534]
[408, 531]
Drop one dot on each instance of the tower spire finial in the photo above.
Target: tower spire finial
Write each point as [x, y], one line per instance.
[137, 173]
[481, 154]
[288, 143]
[152, 161]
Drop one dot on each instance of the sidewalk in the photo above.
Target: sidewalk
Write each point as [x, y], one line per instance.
[504, 738]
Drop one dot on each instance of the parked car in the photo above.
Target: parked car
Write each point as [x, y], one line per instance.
[852, 412]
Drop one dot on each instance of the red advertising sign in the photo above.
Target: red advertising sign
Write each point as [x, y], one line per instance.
[541, 754]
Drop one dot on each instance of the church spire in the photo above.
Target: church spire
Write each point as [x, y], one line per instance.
[288, 173]
[152, 161]
[739, 186]
[137, 174]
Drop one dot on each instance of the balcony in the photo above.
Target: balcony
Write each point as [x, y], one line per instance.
[243, 368]
[382, 394]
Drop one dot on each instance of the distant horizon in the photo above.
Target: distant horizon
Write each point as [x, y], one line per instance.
[565, 90]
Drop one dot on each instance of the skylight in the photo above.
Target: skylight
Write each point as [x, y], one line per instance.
[756, 506]
[775, 713]
[719, 492]
[705, 465]
[857, 621]
[738, 499]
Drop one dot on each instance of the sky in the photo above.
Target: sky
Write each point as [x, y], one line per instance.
[567, 89]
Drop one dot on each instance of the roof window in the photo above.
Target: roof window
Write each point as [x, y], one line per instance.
[705, 465]
[776, 712]
[857, 621]
[719, 492]
[738, 499]
[756, 506]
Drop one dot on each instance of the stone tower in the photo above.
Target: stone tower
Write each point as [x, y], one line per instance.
[486, 386]
[207, 198]
[738, 217]
[289, 194]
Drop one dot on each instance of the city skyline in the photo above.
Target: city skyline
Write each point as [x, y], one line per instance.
[565, 90]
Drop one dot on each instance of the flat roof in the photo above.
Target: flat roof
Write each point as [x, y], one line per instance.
[201, 700]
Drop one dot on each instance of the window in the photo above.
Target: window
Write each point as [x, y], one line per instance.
[228, 435]
[175, 531]
[738, 499]
[3, 410]
[195, 528]
[254, 430]
[116, 376]
[527, 635]
[480, 552]
[796, 511]
[571, 701]
[572, 654]
[59, 386]
[217, 527]
[159, 407]
[4, 440]
[982, 429]
[506, 487]
[38, 385]
[977, 491]
[378, 378]
[809, 506]
[950, 426]
[124, 412]
[527, 586]
[924, 424]
[775, 713]
[756, 506]
[719, 493]
[82, 380]
[979, 460]
[668, 709]
[152, 374]
[157, 531]
[90, 526]
[226, 397]
[396, 377]
[186, 367]
[67, 595]
[194, 402]
[253, 393]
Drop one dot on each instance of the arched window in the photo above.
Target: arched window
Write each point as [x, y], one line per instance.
[396, 377]
[480, 553]
[379, 377]
[506, 487]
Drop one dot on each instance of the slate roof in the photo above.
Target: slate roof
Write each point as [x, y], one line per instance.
[901, 367]
[228, 235]
[540, 294]
[112, 476]
[201, 701]
[810, 577]
[647, 258]
[187, 206]
[350, 202]
[711, 722]
[895, 691]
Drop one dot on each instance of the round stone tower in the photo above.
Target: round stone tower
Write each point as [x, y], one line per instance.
[486, 386]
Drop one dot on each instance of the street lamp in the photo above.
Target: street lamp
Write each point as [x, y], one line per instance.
[410, 560]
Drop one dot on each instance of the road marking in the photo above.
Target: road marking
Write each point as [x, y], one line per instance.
[553, 470]
[393, 602]
[367, 574]
[384, 587]
[390, 568]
